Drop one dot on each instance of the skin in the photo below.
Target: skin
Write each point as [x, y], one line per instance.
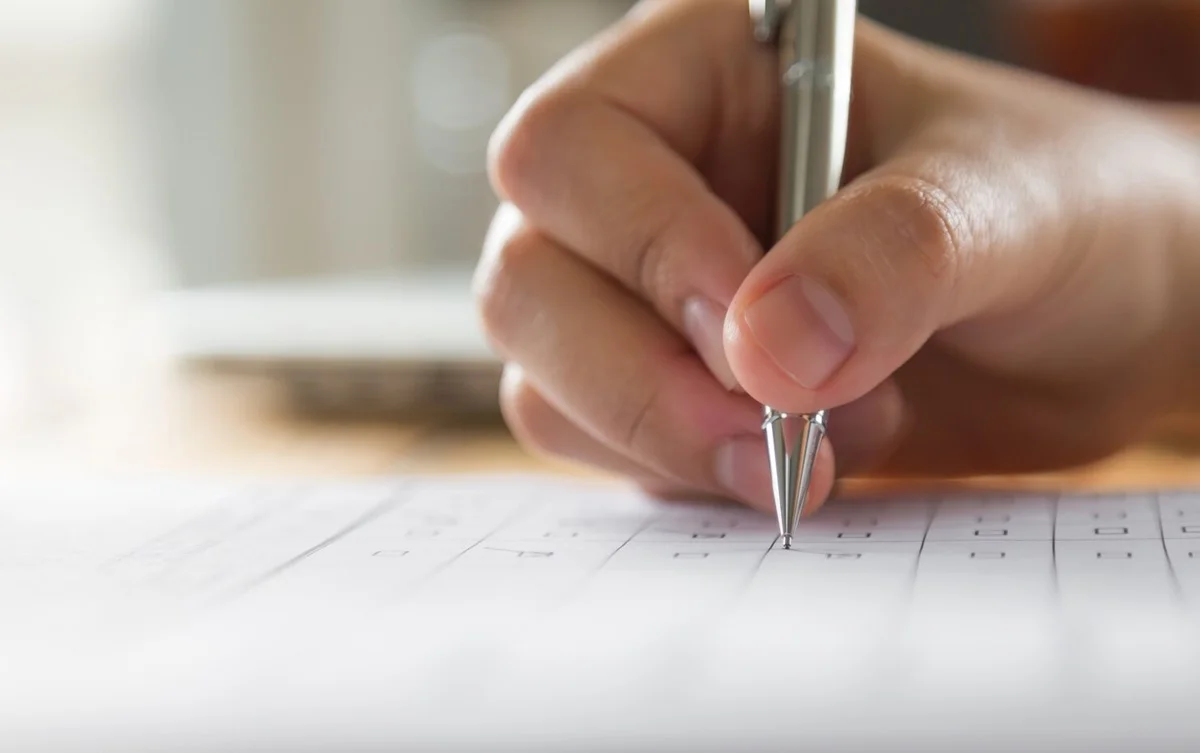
[1002, 285]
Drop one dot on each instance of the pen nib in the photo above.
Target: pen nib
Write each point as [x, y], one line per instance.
[792, 444]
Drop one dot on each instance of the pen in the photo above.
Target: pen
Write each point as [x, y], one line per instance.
[815, 40]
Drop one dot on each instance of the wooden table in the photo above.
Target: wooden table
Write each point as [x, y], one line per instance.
[189, 424]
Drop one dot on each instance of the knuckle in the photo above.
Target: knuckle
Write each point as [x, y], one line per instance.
[931, 224]
[648, 264]
[509, 258]
[524, 411]
[517, 147]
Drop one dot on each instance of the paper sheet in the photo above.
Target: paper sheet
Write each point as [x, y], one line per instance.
[536, 613]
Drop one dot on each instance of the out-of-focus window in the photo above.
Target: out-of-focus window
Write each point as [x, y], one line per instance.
[77, 240]
[306, 137]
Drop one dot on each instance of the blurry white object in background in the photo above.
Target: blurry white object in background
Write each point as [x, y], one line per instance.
[77, 244]
[346, 344]
[461, 85]
[305, 138]
[307, 143]
[67, 30]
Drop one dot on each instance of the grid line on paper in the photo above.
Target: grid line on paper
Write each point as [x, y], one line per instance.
[929, 519]
[381, 508]
[741, 594]
[278, 496]
[1054, 505]
[517, 512]
[582, 586]
[1177, 586]
[649, 521]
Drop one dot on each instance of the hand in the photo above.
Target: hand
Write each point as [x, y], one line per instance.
[999, 286]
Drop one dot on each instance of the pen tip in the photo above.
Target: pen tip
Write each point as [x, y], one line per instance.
[787, 541]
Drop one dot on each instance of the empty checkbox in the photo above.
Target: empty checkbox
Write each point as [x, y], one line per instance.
[1114, 555]
[855, 523]
[863, 535]
[988, 555]
[691, 555]
[1112, 531]
[993, 519]
[991, 533]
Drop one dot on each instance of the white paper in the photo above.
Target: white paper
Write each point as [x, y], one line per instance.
[539, 614]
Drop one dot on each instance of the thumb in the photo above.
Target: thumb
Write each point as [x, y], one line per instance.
[850, 294]
[860, 285]
[945, 227]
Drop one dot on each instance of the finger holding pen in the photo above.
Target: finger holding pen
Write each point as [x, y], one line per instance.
[983, 292]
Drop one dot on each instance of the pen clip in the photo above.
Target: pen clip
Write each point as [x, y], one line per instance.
[768, 18]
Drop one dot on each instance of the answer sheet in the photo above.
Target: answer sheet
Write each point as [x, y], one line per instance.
[515, 613]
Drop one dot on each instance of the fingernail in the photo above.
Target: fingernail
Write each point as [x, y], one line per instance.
[804, 328]
[704, 322]
[741, 468]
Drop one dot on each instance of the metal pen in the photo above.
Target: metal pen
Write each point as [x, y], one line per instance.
[815, 40]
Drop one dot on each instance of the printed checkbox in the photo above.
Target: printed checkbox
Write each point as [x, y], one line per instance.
[993, 519]
[855, 523]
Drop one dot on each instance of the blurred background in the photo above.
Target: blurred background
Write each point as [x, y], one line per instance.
[156, 147]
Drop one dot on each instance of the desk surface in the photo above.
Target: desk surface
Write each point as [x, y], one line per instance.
[233, 425]
[209, 424]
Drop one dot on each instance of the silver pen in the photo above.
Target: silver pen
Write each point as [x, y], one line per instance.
[815, 40]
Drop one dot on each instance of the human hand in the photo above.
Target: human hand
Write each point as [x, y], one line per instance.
[997, 288]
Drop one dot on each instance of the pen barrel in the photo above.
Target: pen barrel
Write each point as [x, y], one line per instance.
[816, 48]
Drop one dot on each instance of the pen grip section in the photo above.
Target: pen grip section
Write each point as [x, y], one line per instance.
[816, 48]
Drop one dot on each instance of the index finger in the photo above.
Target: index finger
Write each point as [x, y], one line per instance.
[651, 153]
[611, 154]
